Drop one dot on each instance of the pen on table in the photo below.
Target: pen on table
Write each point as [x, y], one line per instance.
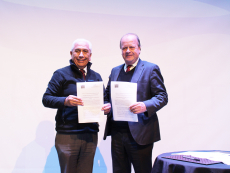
[192, 158]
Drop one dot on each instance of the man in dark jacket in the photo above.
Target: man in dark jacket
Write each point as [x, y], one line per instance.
[75, 143]
[132, 142]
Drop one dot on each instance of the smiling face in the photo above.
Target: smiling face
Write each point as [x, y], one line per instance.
[130, 49]
[81, 54]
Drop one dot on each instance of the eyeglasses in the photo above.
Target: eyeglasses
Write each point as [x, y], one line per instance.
[131, 48]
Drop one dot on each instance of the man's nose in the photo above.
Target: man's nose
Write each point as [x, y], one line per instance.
[81, 54]
[127, 49]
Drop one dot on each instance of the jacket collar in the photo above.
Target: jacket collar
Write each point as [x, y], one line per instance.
[138, 71]
[136, 75]
[73, 65]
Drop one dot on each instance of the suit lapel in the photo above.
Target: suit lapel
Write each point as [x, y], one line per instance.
[138, 71]
[116, 73]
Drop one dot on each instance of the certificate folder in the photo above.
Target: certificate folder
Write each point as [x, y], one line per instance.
[192, 159]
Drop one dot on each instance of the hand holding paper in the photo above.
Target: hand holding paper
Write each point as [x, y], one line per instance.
[137, 108]
[72, 100]
[106, 108]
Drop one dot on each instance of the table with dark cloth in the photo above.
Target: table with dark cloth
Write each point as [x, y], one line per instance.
[163, 165]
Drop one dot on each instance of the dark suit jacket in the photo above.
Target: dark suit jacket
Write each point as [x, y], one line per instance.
[151, 91]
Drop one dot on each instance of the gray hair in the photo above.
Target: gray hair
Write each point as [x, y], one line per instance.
[82, 40]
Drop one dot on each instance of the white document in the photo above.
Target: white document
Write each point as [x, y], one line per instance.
[123, 95]
[91, 94]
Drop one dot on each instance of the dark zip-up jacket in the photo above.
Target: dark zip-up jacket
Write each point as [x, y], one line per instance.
[61, 85]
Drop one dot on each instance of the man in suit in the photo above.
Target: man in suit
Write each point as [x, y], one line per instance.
[132, 142]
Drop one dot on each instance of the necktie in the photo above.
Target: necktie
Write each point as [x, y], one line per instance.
[83, 73]
[128, 68]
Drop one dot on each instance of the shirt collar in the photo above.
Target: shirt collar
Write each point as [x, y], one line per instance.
[133, 65]
[75, 67]
[85, 69]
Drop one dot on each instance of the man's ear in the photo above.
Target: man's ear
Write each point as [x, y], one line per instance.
[90, 57]
[70, 53]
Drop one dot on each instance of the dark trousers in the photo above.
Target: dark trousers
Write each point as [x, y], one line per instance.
[125, 151]
[76, 152]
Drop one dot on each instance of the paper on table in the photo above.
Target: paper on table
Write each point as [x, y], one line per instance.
[123, 94]
[91, 94]
[211, 155]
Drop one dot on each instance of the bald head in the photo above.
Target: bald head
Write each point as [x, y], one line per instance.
[138, 40]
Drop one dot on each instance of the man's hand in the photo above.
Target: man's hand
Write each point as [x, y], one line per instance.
[72, 100]
[138, 107]
[106, 108]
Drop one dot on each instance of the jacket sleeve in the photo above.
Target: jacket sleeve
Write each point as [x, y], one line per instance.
[107, 92]
[53, 98]
[158, 91]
